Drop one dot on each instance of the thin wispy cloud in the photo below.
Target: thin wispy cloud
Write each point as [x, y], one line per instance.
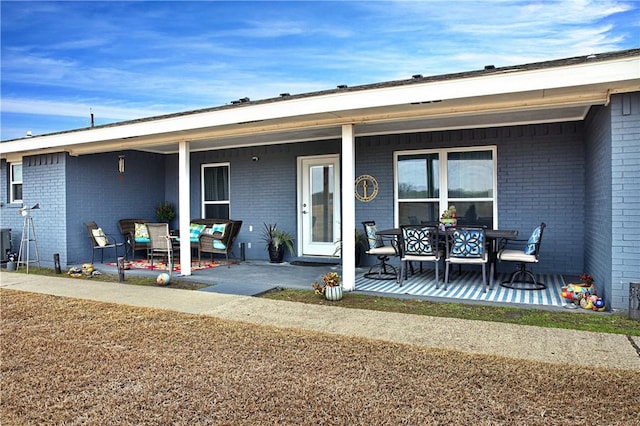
[126, 60]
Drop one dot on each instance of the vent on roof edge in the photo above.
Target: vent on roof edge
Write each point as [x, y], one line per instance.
[417, 76]
[342, 86]
[489, 67]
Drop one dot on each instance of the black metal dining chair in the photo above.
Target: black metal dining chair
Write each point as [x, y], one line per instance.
[382, 270]
[467, 246]
[419, 244]
[526, 253]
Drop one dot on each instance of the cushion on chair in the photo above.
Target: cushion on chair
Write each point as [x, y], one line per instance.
[141, 234]
[98, 235]
[219, 227]
[534, 239]
[467, 243]
[385, 251]
[510, 255]
[195, 230]
[219, 245]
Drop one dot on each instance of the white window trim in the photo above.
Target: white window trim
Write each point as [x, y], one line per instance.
[204, 203]
[443, 200]
[12, 182]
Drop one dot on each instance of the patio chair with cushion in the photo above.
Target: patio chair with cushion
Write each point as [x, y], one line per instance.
[135, 235]
[523, 252]
[467, 246]
[159, 242]
[420, 244]
[219, 239]
[101, 241]
[377, 247]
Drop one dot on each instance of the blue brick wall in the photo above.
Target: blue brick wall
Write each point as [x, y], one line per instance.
[48, 221]
[625, 196]
[96, 192]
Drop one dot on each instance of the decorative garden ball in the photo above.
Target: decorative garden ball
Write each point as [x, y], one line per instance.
[163, 279]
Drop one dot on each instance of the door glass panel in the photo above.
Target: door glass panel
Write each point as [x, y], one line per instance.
[470, 174]
[321, 185]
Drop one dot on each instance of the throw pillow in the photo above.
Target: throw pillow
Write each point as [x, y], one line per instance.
[219, 228]
[98, 235]
[534, 239]
[195, 230]
[141, 234]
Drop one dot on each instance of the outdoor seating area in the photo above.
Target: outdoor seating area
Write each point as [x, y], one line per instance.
[213, 236]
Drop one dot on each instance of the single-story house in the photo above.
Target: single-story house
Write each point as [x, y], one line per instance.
[555, 142]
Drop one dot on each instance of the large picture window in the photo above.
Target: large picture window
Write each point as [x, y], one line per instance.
[215, 191]
[15, 182]
[429, 182]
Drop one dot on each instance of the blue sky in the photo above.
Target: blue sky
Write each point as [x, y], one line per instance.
[62, 61]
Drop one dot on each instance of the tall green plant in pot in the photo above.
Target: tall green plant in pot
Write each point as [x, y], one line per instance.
[276, 241]
[165, 212]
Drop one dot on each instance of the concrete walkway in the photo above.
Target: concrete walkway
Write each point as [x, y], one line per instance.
[573, 348]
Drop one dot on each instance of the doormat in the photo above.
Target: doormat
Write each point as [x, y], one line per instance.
[307, 263]
[162, 266]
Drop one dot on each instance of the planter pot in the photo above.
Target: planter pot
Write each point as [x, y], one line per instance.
[333, 293]
[276, 255]
[11, 265]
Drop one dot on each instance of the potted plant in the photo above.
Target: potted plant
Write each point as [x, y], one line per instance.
[276, 241]
[165, 212]
[330, 287]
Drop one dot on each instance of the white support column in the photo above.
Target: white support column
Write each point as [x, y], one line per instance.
[184, 206]
[348, 208]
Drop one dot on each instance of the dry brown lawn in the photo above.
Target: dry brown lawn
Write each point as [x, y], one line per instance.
[68, 361]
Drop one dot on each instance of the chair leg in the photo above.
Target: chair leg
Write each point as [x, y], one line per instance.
[437, 275]
[403, 270]
[523, 273]
[484, 278]
[382, 270]
[446, 274]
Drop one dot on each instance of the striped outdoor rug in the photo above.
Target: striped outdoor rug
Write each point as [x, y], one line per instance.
[468, 286]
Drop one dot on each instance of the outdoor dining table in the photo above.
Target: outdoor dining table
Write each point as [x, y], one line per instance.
[494, 236]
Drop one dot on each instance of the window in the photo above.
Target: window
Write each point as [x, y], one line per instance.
[15, 182]
[215, 191]
[428, 182]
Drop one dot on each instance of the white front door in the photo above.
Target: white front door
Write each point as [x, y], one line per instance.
[319, 205]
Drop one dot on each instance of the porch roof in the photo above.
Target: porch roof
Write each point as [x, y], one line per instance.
[552, 91]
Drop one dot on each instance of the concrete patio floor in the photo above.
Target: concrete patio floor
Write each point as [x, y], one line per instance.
[255, 277]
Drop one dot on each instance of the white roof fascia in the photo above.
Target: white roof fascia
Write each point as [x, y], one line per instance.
[614, 71]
